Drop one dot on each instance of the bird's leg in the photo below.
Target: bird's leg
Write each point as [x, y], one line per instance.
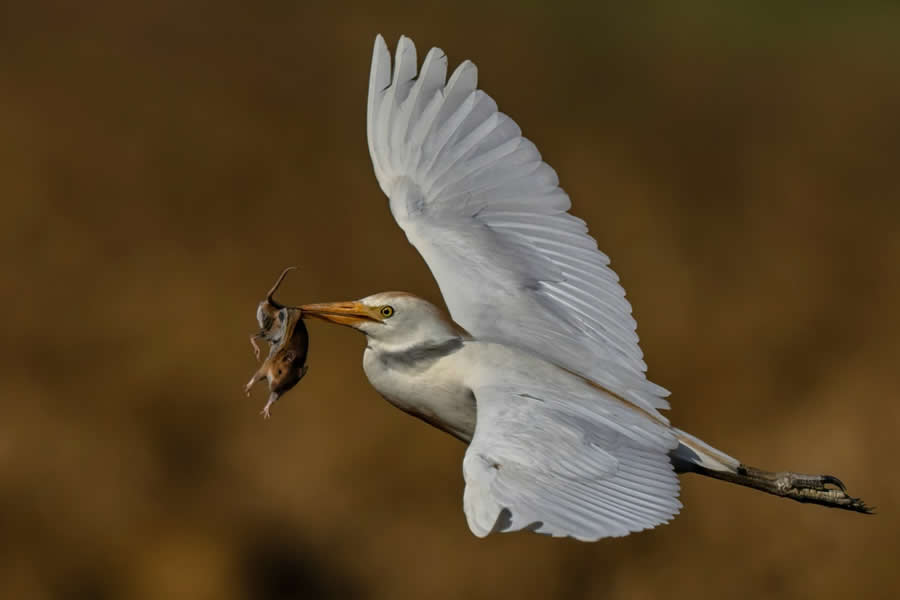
[826, 490]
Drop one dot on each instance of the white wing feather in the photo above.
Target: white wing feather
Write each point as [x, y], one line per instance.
[488, 216]
[554, 463]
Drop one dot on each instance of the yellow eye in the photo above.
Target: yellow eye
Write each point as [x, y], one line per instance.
[387, 311]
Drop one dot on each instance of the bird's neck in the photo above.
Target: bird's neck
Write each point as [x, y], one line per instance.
[417, 355]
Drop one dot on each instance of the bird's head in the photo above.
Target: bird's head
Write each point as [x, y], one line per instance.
[391, 320]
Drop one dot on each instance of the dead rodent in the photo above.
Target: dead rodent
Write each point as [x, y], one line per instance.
[284, 330]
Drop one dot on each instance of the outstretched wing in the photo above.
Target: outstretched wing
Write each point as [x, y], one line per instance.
[564, 465]
[487, 215]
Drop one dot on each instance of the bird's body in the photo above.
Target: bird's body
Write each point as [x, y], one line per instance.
[539, 370]
[434, 380]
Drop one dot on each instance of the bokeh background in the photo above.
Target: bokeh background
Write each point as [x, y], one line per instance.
[162, 161]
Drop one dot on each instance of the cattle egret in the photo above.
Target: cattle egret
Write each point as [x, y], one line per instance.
[539, 371]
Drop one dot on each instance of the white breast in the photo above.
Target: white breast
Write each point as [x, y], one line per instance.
[428, 385]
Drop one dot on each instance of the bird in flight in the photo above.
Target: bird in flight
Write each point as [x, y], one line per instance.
[539, 370]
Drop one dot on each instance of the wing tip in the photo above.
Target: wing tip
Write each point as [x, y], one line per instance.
[404, 45]
[381, 60]
[380, 47]
[466, 66]
[435, 54]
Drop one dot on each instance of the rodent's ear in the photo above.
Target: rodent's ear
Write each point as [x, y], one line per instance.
[289, 356]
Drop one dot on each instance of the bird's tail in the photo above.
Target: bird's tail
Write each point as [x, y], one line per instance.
[695, 456]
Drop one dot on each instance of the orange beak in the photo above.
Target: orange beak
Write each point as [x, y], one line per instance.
[351, 314]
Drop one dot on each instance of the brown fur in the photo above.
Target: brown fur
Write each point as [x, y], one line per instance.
[284, 330]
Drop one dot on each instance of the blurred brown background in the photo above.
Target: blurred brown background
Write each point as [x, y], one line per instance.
[161, 163]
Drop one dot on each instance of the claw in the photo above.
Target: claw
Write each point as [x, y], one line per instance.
[812, 488]
[834, 481]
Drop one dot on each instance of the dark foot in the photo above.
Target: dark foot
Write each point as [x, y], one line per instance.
[827, 490]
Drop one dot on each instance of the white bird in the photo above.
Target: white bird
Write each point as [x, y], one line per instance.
[541, 373]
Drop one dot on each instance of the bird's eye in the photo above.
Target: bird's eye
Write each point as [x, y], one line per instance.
[387, 311]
